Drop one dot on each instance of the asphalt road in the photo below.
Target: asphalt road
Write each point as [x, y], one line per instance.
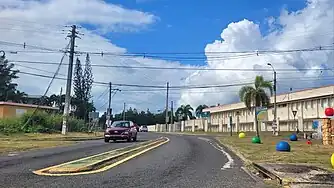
[186, 161]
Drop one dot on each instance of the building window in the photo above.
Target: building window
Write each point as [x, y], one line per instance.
[305, 104]
[322, 102]
[20, 112]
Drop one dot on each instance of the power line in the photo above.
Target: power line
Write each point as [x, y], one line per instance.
[48, 88]
[148, 86]
[171, 68]
[25, 45]
[156, 55]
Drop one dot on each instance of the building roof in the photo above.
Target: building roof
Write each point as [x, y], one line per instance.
[27, 105]
[281, 98]
[35, 96]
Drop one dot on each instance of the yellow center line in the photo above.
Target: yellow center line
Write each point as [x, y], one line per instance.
[42, 171]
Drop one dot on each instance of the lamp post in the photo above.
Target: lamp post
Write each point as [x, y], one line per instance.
[275, 106]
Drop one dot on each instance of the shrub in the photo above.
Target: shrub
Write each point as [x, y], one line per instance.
[41, 122]
[10, 125]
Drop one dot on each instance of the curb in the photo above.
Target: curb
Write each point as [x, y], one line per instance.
[91, 166]
[257, 167]
[272, 175]
[285, 182]
[61, 171]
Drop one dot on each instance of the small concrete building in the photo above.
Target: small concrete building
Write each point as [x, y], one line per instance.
[9, 109]
[308, 106]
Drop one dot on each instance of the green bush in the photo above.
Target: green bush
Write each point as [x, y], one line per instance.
[41, 122]
[10, 125]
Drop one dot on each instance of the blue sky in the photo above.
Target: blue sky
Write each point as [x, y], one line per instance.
[188, 25]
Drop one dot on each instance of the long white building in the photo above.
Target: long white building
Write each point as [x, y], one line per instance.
[309, 105]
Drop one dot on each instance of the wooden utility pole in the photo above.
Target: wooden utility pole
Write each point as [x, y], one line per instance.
[171, 114]
[109, 101]
[167, 88]
[69, 80]
[60, 101]
[124, 112]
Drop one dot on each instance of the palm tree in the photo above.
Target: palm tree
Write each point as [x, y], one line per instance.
[256, 96]
[199, 110]
[184, 112]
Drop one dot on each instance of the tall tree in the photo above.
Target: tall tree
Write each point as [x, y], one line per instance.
[8, 91]
[87, 85]
[199, 110]
[184, 112]
[256, 96]
[79, 91]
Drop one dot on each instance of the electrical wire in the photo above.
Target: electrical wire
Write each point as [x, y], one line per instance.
[172, 68]
[148, 86]
[48, 88]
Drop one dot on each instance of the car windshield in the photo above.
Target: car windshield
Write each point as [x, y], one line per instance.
[125, 124]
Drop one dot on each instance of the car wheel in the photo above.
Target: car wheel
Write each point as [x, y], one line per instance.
[129, 139]
[106, 140]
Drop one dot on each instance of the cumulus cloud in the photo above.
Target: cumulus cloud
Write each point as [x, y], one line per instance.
[40, 23]
[310, 27]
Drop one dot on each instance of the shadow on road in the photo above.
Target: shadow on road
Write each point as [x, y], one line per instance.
[125, 142]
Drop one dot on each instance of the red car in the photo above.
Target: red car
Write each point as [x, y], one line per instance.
[121, 130]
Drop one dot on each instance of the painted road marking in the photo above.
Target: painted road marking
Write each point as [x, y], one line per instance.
[85, 158]
[41, 172]
[12, 154]
[230, 161]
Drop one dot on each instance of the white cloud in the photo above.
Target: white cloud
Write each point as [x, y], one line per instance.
[105, 17]
[309, 27]
[40, 23]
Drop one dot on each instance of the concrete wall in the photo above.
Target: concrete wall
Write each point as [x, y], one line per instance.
[10, 110]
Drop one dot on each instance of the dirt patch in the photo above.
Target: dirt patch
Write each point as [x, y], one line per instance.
[290, 168]
[323, 177]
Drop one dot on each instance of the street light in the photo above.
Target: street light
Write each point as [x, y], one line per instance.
[275, 106]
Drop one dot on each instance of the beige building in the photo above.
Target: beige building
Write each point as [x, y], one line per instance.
[309, 105]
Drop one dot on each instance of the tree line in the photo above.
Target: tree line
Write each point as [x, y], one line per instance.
[82, 85]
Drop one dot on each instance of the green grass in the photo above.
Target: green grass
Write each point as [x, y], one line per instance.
[315, 154]
[29, 141]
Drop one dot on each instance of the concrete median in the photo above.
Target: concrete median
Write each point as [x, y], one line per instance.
[102, 161]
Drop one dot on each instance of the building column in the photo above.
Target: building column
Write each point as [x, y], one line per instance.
[206, 124]
[193, 127]
[182, 126]
[220, 126]
[237, 125]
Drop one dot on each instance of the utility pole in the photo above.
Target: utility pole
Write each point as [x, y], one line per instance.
[167, 106]
[124, 112]
[275, 105]
[69, 80]
[109, 102]
[60, 102]
[171, 114]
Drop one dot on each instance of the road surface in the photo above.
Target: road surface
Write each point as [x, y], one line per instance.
[186, 161]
